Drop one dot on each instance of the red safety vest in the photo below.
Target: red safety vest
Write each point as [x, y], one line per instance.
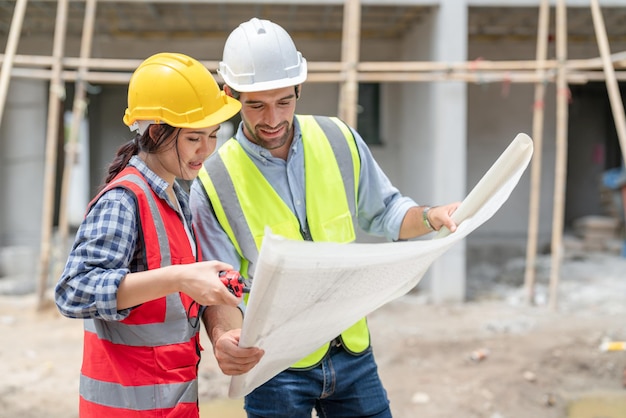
[147, 364]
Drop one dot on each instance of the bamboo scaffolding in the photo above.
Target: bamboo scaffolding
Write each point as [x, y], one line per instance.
[560, 175]
[57, 94]
[348, 73]
[538, 118]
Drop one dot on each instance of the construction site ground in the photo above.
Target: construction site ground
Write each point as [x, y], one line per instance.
[493, 356]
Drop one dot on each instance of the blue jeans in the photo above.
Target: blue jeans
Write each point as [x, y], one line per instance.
[343, 385]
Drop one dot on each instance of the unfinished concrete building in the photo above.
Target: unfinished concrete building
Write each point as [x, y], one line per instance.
[438, 88]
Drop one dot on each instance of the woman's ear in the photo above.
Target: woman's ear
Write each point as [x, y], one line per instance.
[155, 130]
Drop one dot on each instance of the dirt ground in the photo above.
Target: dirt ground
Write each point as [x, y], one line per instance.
[493, 356]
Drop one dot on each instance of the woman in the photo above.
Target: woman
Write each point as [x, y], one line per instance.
[132, 272]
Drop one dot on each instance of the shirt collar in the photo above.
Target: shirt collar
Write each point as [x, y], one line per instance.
[159, 185]
[156, 183]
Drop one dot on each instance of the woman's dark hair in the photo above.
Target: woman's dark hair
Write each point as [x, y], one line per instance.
[140, 143]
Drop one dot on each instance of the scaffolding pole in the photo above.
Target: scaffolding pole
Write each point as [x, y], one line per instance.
[9, 54]
[349, 88]
[535, 176]
[617, 106]
[57, 95]
[79, 107]
[560, 165]
[579, 71]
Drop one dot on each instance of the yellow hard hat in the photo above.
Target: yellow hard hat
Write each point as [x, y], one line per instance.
[178, 90]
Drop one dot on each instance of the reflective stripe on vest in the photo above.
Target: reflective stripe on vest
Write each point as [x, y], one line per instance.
[147, 363]
[332, 167]
[143, 398]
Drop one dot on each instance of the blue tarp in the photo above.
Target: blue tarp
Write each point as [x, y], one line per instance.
[614, 178]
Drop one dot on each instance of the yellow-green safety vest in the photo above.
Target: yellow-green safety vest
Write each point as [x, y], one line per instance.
[332, 165]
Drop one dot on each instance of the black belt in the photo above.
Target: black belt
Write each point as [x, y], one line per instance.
[336, 342]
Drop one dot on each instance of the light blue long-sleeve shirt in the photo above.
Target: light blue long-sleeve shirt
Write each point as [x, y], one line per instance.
[380, 206]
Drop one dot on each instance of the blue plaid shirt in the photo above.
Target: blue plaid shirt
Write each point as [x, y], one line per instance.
[107, 247]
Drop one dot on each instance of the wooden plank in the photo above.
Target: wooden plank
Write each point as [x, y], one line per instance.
[560, 175]
[12, 41]
[617, 106]
[79, 107]
[119, 64]
[535, 176]
[349, 89]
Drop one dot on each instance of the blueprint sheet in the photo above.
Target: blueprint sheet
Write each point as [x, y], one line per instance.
[306, 293]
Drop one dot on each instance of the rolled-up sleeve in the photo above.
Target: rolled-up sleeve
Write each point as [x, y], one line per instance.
[381, 206]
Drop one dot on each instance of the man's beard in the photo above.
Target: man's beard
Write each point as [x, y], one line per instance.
[274, 143]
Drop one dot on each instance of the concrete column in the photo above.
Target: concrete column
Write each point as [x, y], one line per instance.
[449, 136]
[22, 138]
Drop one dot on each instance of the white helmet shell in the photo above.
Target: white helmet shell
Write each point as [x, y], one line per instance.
[260, 55]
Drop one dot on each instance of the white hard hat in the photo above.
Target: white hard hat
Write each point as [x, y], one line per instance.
[260, 55]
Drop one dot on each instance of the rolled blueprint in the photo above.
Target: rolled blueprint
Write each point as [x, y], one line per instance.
[306, 293]
[516, 154]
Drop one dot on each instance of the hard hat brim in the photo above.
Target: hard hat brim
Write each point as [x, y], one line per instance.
[266, 85]
[230, 108]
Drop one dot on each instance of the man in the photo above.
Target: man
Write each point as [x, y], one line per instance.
[306, 177]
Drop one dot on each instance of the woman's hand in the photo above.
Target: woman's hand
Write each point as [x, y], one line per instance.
[202, 283]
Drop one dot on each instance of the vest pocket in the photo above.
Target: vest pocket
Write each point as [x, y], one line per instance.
[285, 229]
[338, 229]
[178, 358]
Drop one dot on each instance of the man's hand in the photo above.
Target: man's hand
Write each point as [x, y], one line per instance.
[440, 216]
[232, 359]
[414, 225]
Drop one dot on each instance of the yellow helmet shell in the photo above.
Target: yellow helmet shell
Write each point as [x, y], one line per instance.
[178, 90]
